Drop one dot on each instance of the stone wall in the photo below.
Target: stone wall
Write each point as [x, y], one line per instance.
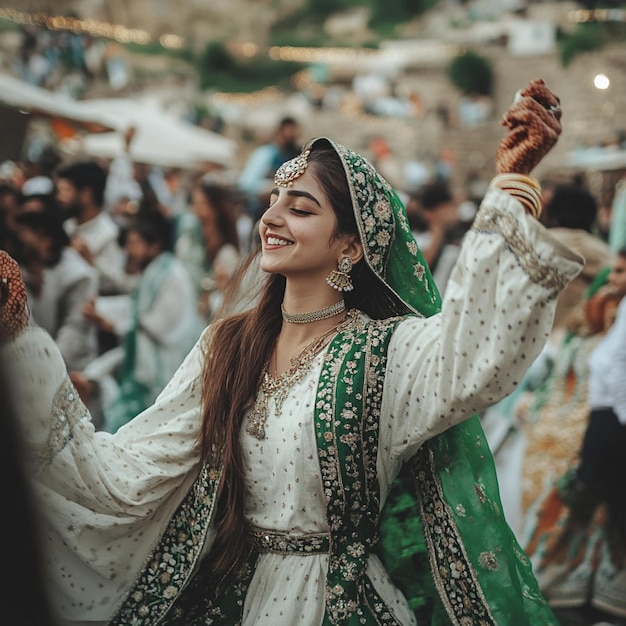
[590, 116]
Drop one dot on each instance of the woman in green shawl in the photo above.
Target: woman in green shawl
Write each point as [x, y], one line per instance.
[315, 459]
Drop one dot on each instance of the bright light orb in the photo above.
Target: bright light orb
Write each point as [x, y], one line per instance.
[601, 81]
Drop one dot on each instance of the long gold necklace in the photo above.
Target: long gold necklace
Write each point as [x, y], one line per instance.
[279, 386]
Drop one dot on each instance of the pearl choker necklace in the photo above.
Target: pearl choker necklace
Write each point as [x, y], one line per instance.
[313, 316]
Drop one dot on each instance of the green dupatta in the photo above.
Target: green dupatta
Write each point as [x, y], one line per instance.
[443, 538]
[450, 490]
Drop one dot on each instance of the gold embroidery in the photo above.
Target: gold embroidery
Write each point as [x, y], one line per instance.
[539, 270]
[460, 591]
[67, 410]
[488, 560]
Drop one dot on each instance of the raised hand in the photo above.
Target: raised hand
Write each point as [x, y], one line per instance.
[13, 298]
[534, 123]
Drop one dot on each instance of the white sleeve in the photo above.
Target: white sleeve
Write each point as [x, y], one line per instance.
[123, 472]
[121, 183]
[105, 498]
[496, 315]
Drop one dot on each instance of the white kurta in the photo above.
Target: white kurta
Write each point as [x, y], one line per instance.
[108, 497]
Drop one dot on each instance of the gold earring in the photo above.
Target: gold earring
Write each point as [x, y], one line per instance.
[339, 279]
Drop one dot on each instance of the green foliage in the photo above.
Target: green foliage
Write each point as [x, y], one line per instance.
[395, 12]
[290, 37]
[218, 69]
[586, 38]
[321, 9]
[302, 26]
[154, 47]
[471, 73]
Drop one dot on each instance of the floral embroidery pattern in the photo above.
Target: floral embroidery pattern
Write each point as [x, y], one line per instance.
[369, 192]
[170, 564]
[205, 602]
[455, 578]
[548, 275]
[347, 420]
[488, 560]
[383, 229]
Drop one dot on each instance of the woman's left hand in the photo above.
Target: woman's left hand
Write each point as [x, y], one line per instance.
[534, 123]
[13, 298]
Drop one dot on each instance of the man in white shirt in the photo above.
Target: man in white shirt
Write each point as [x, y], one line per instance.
[93, 233]
[60, 282]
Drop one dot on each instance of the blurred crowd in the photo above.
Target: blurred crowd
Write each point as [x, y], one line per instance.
[58, 59]
[126, 264]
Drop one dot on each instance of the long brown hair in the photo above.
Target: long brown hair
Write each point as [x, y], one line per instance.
[241, 344]
[223, 203]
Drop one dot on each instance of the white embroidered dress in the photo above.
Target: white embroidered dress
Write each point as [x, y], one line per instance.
[107, 498]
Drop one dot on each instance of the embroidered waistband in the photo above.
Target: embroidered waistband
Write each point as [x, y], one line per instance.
[266, 541]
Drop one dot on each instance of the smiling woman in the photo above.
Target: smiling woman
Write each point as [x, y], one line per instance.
[317, 459]
[301, 238]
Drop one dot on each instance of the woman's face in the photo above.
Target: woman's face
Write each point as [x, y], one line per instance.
[203, 208]
[617, 277]
[297, 232]
[139, 252]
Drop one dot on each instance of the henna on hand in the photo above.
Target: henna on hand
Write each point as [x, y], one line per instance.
[13, 298]
[534, 123]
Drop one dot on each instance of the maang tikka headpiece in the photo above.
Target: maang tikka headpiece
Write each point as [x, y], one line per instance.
[289, 171]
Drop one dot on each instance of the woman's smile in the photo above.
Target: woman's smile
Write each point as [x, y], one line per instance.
[272, 241]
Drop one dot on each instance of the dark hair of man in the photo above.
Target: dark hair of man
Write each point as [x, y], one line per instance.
[38, 202]
[154, 228]
[9, 190]
[288, 120]
[47, 223]
[86, 175]
[572, 206]
[434, 194]
[6, 237]
[231, 376]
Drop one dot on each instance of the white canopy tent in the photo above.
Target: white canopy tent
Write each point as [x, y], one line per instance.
[160, 137]
[598, 158]
[34, 100]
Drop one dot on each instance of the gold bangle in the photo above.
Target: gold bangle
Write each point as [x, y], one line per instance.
[529, 203]
[532, 194]
[528, 196]
[511, 183]
[522, 178]
[530, 207]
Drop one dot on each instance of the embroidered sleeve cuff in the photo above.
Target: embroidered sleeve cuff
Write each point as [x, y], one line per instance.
[545, 259]
[34, 373]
